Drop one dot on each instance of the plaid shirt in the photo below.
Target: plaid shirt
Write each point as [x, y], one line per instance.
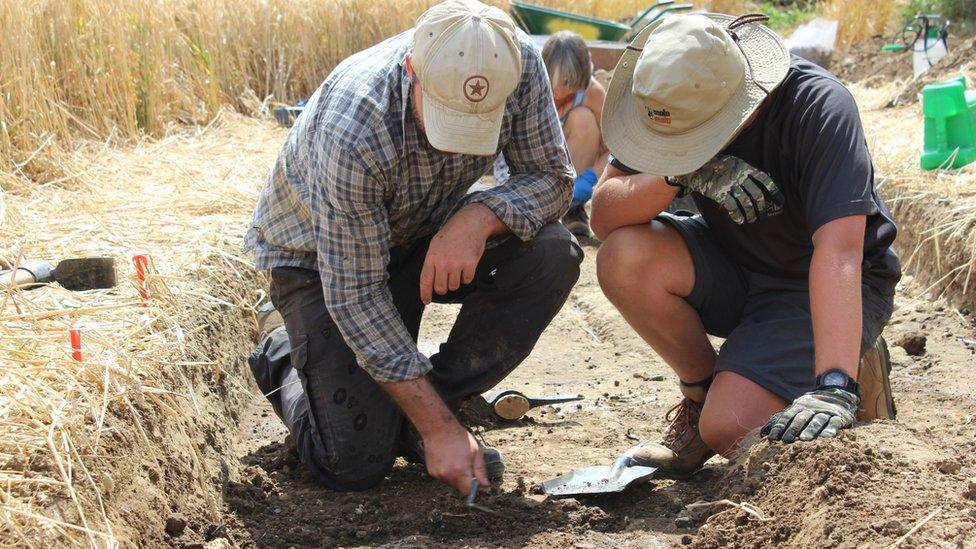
[357, 176]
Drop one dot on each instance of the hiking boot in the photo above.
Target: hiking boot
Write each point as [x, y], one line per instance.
[681, 452]
[578, 221]
[873, 375]
[475, 411]
[412, 450]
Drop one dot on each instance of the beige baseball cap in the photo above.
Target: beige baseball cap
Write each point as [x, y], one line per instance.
[685, 87]
[468, 60]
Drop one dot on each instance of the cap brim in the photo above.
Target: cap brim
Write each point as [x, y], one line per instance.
[452, 131]
[640, 148]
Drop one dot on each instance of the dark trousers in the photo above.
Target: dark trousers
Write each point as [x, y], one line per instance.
[344, 426]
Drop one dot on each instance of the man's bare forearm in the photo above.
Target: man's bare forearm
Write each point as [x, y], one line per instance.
[835, 294]
[620, 200]
[418, 399]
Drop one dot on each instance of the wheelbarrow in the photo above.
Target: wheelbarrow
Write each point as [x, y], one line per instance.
[538, 20]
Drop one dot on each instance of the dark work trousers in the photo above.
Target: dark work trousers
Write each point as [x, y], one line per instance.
[344, 426]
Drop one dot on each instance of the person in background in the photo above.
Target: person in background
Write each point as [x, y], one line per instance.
[579, 103]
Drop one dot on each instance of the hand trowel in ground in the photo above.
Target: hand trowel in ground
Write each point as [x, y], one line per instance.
[85, 273]
[601, 479]
[510, 405]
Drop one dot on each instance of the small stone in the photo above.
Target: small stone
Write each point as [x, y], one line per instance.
[520, 484]
[912, 342]
[683, 522]
[948, 467]
[175, 525]
[657, 378]
[893, 528]
[686, 539]
[219, 543]
[970, 492]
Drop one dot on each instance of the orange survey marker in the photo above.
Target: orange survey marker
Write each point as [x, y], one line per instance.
[141, 263]
[75, 335]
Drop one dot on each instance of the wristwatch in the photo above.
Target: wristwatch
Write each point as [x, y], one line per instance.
[838, 379]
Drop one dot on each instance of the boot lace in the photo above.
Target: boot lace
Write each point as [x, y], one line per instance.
[680, 415]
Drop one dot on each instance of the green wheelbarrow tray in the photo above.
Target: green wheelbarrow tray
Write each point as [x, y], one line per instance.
[539, 20]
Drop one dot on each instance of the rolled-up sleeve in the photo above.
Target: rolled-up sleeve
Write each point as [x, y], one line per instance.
[352, 232]
[540, 185]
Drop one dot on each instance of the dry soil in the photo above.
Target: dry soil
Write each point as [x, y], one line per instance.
[868, 487]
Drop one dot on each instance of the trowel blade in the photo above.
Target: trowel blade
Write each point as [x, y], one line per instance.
[595, 480]
[86, 273]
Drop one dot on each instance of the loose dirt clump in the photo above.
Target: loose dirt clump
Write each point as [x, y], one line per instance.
[873, 483]
[912, 342]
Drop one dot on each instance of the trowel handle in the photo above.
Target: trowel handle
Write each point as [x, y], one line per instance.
[553, 399]
[17, 278]
[27, 275]
[626, 460]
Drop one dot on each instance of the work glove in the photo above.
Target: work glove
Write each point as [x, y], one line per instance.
[745, 192]
[817, 413]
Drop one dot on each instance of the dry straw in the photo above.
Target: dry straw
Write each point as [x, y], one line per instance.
[860, 19]
[935, 210]
[109, 69]
[184, 200]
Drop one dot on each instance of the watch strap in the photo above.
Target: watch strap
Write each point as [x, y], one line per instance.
[850, 384]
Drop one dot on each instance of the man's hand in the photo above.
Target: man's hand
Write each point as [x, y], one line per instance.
[746, 193]
[454, 457]
[456, 249]
[817, 413]
[450, 451]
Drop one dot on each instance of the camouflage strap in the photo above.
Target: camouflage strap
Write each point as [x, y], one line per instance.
[746, 193]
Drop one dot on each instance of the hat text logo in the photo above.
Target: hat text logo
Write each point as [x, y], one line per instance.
[659, 116]
[476, 88]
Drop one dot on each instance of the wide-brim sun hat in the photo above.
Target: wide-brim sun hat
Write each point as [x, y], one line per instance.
[645, 134]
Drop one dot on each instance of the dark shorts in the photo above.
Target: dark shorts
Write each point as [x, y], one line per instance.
[765, 320]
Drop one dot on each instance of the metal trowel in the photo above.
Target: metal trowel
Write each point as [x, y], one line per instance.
[510, 405]
[601, 479]
[86, 273]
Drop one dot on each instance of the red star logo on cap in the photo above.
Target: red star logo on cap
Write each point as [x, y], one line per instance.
[476, 88]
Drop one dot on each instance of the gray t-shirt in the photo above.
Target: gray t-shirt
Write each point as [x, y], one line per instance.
[807, 154]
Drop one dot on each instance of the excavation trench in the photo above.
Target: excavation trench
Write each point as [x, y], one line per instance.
[192, 454]
[873, 483]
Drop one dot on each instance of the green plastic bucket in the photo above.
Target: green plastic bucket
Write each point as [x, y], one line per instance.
[539, 20]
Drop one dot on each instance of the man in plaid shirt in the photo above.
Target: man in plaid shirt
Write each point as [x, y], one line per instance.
[366, 218]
